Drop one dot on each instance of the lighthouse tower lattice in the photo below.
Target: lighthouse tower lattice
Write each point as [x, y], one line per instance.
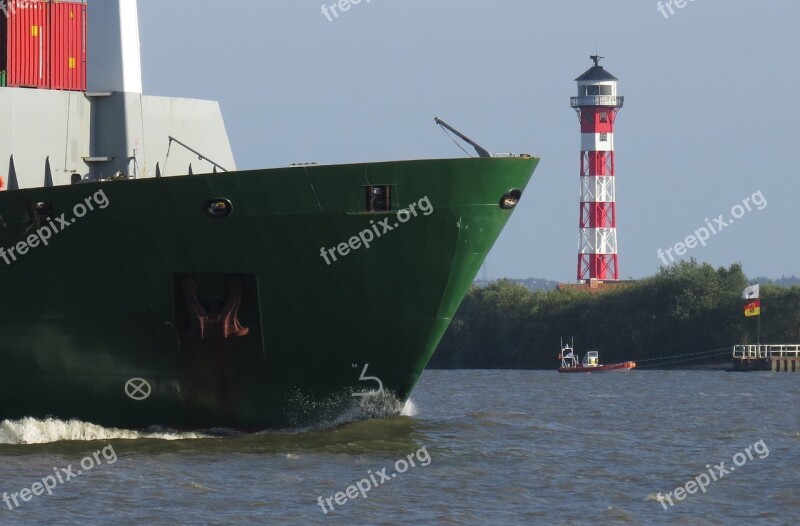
[597, 105]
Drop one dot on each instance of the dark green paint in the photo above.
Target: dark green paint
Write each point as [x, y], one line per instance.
[102, 303]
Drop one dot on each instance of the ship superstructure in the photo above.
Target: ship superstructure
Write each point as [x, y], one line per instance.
[98, 123]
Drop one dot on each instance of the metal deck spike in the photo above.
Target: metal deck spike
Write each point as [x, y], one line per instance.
[158, 171]
[48, 174]
[13, 183]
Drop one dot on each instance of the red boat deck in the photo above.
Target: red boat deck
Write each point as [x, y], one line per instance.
[570, 363]
[615, 367]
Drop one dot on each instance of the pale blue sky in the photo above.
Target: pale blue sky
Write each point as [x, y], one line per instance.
[709, 117]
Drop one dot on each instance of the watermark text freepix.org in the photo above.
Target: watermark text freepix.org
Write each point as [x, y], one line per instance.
[704, 233]
[376, 230]
[331, 12]
[9, 7]
[364, 486]
[666, 8]
[59, 476]
[55, 225]
[704, 480]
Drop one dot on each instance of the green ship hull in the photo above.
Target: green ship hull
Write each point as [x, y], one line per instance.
[242, 300]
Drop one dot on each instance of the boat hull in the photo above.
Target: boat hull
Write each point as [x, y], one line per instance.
[98, 324]
[611, 368]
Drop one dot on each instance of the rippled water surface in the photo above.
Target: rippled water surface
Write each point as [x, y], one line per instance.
[488, 447]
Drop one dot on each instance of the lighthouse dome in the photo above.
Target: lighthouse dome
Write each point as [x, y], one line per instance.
[597, 87]
[596, 74]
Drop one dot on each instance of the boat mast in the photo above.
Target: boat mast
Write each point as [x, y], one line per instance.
[113, 54]
[114, 87]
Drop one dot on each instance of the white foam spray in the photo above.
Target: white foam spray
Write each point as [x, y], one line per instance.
[410, 409]
[33, 431]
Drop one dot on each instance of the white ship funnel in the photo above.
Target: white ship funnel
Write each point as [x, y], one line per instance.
[114, 61]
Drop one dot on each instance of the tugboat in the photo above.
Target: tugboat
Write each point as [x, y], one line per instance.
[570, 362]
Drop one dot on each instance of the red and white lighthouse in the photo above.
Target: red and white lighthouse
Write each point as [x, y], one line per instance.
[597, 105]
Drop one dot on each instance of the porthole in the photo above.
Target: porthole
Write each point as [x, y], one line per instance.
[219, 208]
[511, 199]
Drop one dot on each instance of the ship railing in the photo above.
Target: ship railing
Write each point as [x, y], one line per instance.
[756, 352]
[597, 100]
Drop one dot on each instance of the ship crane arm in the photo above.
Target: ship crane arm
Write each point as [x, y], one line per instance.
[482, 152]
[198, 154]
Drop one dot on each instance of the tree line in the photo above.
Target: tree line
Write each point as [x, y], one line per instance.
[686, 308]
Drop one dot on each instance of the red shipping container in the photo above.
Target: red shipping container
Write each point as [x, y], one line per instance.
[28, 44]
[68, 46]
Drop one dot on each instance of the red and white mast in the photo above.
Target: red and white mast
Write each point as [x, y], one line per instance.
[597, 105]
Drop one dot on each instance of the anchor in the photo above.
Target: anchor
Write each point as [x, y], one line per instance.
[219, 322]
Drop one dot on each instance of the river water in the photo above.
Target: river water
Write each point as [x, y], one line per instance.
[472, 447]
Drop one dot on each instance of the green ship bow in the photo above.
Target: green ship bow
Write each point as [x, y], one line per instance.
[140, 294]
